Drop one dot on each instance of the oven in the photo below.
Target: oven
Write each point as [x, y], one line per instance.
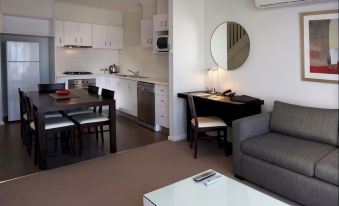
[81, 83]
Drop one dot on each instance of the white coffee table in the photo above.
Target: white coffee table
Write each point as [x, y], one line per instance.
[226, 192]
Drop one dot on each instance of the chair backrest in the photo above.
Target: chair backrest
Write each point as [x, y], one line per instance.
[93, 89]
[107, 93]
[50, 88]
[22, 96]
[29, 108]
[192, 110]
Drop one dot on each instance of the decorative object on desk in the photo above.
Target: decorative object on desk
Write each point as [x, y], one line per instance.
[320, 46]
[212, 72]
[245, 99]
[230, 45]
[63, 92]
[228, 93]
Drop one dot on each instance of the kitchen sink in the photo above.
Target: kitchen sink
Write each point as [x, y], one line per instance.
[130, 76]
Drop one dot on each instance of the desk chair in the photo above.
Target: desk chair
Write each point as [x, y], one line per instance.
[201, 125]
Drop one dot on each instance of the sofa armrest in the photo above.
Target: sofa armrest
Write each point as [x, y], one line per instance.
[246, 128]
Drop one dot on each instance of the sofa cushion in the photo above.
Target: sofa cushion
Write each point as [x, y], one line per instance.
[309, 123]
[327, 168]
[295, 154]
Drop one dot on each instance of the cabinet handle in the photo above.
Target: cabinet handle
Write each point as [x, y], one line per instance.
[60, 40]
[166, 23]
[110, 43]
[105, 43]
[81, 39]
[161, 23]
[76, 40]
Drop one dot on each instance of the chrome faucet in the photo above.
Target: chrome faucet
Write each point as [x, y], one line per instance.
[137, 73]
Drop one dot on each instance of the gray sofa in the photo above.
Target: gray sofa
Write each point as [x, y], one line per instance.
[292, 151]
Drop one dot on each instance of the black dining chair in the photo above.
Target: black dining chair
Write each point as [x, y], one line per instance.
[92, 90]
[93, 120]
[55, 126]
[201, 125]
[24, 123]
[51, 88]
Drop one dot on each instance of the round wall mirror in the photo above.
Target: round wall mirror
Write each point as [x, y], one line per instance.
[230, 45]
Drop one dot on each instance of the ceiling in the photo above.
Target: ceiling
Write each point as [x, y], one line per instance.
[120, 5]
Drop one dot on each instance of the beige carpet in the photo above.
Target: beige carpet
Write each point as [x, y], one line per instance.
[119, 180]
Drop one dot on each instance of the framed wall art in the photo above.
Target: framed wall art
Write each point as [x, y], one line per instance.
[319, 39]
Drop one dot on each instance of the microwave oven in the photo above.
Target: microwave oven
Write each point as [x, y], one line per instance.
[161, 43]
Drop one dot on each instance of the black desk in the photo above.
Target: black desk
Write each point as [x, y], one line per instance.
[221, 106]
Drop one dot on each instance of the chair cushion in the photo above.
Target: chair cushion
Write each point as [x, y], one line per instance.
[79, 111]
[53, 114]
[89, 118]
[291, 153]
[327, 168]
[24, 116]
[205, 122]
[54, 123]
[304, 122]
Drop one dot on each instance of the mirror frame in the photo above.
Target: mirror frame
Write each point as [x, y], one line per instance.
[211, 38]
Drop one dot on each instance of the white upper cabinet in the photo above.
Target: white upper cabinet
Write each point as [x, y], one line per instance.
[59, 33]
[107, 37]
[85, 34]
[99, 36]
[160, 22]
[71, 33]
[77, 34]
[146, 33]
[115, 37]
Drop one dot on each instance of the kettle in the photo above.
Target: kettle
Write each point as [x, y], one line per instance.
[113, 69]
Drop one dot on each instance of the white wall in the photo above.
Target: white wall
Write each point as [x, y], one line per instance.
[273, 69]
[28, 8]
[86, 14]
[186, 59]
[134, 57]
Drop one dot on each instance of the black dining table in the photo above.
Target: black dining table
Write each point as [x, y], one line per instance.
[81, 98]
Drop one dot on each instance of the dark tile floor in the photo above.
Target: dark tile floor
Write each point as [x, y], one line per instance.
[15, 162]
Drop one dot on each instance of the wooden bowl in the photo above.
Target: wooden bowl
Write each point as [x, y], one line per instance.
[63, 92]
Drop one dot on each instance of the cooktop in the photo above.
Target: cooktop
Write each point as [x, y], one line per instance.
[78, 73]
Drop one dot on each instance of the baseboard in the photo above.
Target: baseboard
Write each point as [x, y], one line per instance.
[177, 138]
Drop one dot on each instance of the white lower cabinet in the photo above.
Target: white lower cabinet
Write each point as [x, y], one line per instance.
[161, 106]
[62, 80]
[125, 94]
[100, 82]
[126, 98]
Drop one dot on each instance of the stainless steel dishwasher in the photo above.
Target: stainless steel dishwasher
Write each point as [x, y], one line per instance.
[146, 105]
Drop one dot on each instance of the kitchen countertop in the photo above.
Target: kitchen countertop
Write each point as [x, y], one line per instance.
[148, 79]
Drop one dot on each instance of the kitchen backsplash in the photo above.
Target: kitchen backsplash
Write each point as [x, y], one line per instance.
[144, 60]
[81, 59]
